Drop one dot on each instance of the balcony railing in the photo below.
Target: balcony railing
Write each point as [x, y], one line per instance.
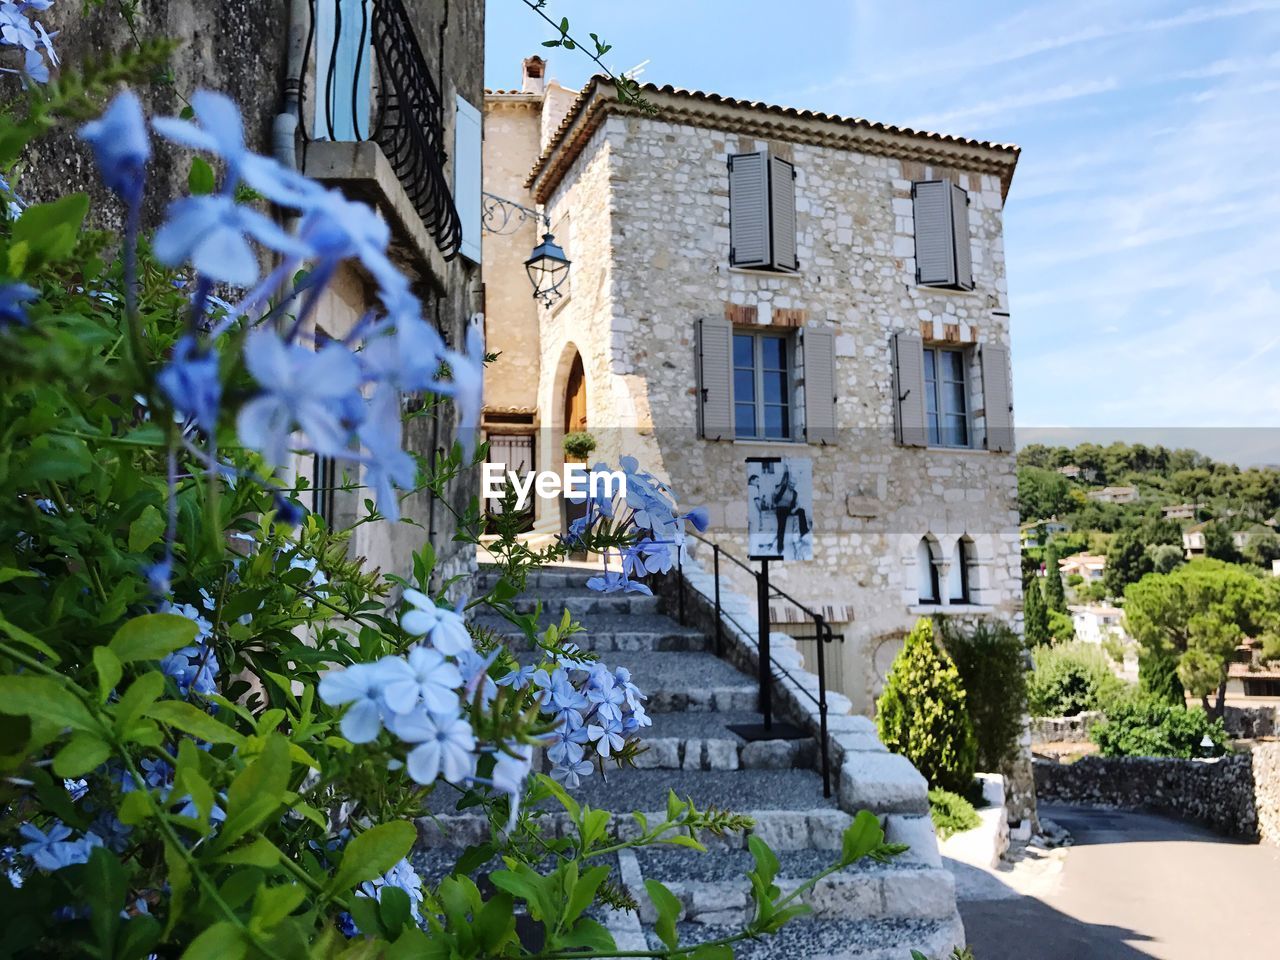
[365, 78]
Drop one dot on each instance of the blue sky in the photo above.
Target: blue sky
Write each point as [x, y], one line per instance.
[1142, 231]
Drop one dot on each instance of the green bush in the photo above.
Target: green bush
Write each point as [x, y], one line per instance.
[923, 715]
[578, 444]
[993, 672]
[1071, 678]
[1147, 727]
[951, 813]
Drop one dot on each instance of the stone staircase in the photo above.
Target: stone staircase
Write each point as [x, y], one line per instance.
[866, 911]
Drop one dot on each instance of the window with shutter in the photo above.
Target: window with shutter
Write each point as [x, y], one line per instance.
[997, 397]
[943, 255]
[819, 385]
[762, 212]
[715, 397]
[909, 390]
[467, 151]
[343, 56]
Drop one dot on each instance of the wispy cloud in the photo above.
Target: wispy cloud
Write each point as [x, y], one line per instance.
[1003, 106]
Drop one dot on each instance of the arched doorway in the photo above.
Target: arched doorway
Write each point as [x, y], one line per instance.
[575, 397]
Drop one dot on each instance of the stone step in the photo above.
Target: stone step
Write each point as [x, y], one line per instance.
[610, 633]
[703, 741]
[581, 603]
[675, 682]
[809, 938]
[714, 888]
[545, 578]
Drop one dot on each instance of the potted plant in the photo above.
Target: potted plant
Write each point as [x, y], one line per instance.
[578, 446]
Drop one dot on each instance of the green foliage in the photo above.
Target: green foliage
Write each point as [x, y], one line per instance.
[1158, 677]
[1061, 627]
[1071, 678]
[1262, 548]
[951, 813]
[1166, 557]
[1197, 615]
[923, 714]
[1127, 561]
[991, 661]
[578, 444]
[1054, 595]
[1035, 614]
[1147, 727]
[1042, 494]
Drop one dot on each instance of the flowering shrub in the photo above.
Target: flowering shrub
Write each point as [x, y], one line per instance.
[216, 728]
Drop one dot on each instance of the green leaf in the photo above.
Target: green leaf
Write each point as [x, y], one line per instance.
[713, 951]
[257, 853]
[258, 792]
[222, 941]
[668, 907]
[590, 934]
[104, 888]
[200, 180]
[393, 908]
[52, 229]
[83, 752]
[138, 937]
[147, 529]
[179, 880]
[134, 808]
[57, 458]
[189, 718]
[109, 671]
[372, 854]
[766, 860]
[42, 698]
[152, 636]
[273, 904]
[28, 639]
[584, 892]
[861, 837]
[684, 840]
[142, 693]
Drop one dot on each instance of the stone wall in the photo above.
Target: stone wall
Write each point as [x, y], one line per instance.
[1064, 729]
[1237, 795]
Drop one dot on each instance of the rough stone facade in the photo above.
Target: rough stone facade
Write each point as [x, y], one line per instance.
[1237, 795]
[1064, 729]
[242, 49]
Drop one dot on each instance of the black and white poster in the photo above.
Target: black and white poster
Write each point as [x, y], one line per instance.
[780, 508]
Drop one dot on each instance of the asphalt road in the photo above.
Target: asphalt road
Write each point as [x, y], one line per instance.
[1134, 885]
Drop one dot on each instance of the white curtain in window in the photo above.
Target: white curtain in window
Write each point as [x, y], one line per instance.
[957, 581]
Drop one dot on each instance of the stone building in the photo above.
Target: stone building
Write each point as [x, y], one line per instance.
[749, 280]
[382, 100]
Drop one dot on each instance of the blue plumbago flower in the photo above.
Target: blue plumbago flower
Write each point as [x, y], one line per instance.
[408, 358]
[210, 232]
[193, 668]
[75, 788]
[55, 849]
[402, 875]
[568, 739]
[475, 672]
[519, 678]
[444, 628]
[115, 835]
[159, 577]
[187, 808]
[120, 145]
[699, 517]
[424, 678]
[606, 733]
[559, 693]
[14, 298]
[204, 628]
[288, 512]
[336, 228]
[300, 388]
[613, 581]
[190, 381]
[361, 686]
[446, 746]
[571, 774]
[221, 132]
[387, 467]
[46, 506]
[510, 769]
[604, 692]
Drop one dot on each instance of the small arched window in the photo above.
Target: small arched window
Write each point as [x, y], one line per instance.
[959, 574]
[926, 572]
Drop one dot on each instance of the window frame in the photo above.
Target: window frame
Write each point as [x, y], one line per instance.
[962, 558]
[758, 401]
[935, 419]
[926, 545]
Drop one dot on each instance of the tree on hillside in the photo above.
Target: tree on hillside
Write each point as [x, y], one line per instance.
[1263, 547]
[1218, 544]
[1042, 494]
[1165, 557]
[1158, 677]
[1055, 597]
[1127, 561]
[1196, 616]
[1035, 615]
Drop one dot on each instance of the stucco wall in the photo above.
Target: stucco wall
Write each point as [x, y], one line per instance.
[649, 201]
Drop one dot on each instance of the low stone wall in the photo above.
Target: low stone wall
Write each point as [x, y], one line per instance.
[1248, 723]
[1063, 729]
[1237, 795]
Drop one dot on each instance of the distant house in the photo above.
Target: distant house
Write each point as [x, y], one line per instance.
[1242, 538]
[1096, 622]
[1181, 511]
[1248, 676]
[1073, 472]
[1090, 566]
[1193, 543]
[1114, 495]
[1036, 533]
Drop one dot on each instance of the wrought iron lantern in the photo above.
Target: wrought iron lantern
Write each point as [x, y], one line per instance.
[548, 268]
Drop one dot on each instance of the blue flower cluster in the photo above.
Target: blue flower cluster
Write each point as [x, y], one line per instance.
[343, 399]
[194, 668]
[17, 29]
[647, 514]
[54, 848]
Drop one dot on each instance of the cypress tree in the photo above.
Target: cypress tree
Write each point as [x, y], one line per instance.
[1035, 615]
[1054, 595]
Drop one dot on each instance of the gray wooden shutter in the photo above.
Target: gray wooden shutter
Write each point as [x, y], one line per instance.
[819, 385]
[715, 379]
[468, 150]
[749, 210]
[997, 397]
[908, 390]
[935, 242]
[782, 201]
[960, 228]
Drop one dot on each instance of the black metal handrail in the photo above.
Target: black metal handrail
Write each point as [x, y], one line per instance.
[765, 592]
[406, 111]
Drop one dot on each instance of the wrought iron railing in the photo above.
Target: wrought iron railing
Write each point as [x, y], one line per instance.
[770, 668]
[370, 81]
